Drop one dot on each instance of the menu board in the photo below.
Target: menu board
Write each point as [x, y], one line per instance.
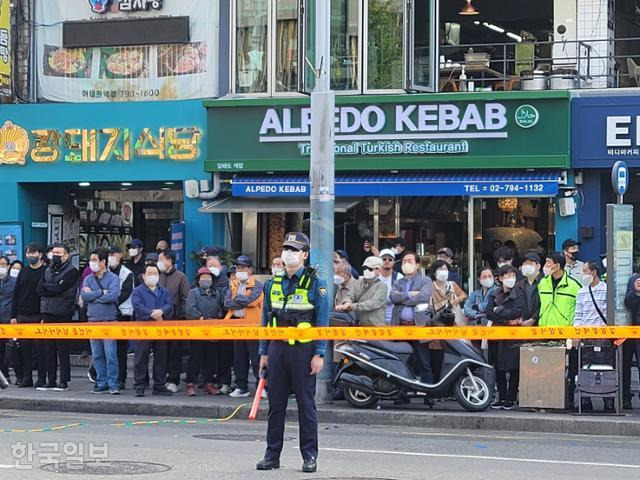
[11, 241]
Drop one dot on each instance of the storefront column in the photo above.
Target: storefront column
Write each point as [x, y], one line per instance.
[397, 216]
[201, 230]
[592, 216]
[376, 220]
[566, 227]
[470, 242]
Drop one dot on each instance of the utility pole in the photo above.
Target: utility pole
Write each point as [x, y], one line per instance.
[322, 173]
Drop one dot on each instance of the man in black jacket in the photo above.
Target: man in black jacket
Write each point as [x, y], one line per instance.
[25, 308]
[58, 289]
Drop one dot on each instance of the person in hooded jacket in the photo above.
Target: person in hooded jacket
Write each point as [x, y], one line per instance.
[203, 303]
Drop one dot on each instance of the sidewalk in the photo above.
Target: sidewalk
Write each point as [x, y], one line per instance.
[445, 415]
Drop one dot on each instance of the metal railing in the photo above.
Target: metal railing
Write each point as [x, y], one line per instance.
[601, 63]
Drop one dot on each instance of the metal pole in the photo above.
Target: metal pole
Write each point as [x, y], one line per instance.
[322, 174]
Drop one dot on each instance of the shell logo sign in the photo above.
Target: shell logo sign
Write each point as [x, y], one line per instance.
[14, 144]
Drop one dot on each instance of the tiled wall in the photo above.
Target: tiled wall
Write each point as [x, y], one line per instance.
[595, 29]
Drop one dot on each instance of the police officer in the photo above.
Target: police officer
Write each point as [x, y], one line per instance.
[295, 298]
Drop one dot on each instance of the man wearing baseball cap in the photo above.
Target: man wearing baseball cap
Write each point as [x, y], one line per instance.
[571, 251]
[136, 261]
[388, 276]
[297, 298]
[368, 298]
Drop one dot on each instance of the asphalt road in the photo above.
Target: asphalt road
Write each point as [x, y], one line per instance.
[176, 449]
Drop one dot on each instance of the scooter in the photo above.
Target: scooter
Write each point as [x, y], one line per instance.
[4, 384]
[371, 371]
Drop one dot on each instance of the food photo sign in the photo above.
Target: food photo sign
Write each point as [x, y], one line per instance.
[132, 73]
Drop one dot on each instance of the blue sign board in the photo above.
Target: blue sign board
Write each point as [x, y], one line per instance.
[605, 129]
[178, 243]
[620, 177]
[409, 186]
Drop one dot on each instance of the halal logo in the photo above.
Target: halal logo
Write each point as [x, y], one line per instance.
[527, 116]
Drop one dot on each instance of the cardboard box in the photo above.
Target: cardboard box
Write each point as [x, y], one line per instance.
[543, 376]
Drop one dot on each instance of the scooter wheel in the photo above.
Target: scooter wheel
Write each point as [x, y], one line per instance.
[473, 397]
[359, 399]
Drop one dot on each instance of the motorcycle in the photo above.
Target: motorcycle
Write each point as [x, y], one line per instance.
[371, 371]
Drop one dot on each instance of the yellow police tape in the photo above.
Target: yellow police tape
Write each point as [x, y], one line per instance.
[213, 330]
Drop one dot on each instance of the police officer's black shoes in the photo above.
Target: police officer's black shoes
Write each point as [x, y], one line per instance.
[267, 464]
[310, 465]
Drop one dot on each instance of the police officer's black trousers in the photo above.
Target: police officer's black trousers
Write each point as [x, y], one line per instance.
[289, 371]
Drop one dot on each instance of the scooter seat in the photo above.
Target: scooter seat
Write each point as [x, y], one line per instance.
[394, 347]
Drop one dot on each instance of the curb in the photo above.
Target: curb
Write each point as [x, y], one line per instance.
[520, 421]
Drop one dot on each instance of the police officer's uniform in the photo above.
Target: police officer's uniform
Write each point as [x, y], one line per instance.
[300, 301]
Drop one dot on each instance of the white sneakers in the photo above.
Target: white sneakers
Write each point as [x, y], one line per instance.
[226, 390]
[264, 395]
[237, 393]
[172, 387]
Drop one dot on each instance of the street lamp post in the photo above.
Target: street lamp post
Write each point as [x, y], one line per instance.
[322, 172]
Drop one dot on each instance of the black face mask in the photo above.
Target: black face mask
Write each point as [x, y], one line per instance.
[574, 255]
[32, 259]
[56, 261]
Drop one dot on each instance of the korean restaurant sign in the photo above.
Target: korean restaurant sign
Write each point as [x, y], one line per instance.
[163, 140]
[514, 130]
[105, 6]
[131, 73]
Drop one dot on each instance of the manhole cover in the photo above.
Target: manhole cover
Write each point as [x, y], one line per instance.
[106, 468]
[235, 437]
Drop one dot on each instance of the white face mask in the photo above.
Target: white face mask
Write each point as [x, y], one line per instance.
[290, 258]
[395, 251]
[529, 271]
[242, 276]
[501, 264]
[509, 282]
[151, 280]
[3, 272]
[14, 273]
[162, 266]
[587, 280]
[442, 275]
[113, 262]
[94, 266]
[276, 271]
[604, 262]
[215, 271]
[487, 282]
[133, 252]
[369, 274]
[547, 271]
[50, 256]
[408, 268]
[338, 280]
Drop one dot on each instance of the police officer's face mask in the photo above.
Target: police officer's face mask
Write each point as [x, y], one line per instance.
[289, 257]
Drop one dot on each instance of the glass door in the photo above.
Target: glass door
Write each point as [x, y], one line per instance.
[422, 45]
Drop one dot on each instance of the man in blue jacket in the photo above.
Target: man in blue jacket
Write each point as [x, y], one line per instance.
[151, 303]
[100, 292]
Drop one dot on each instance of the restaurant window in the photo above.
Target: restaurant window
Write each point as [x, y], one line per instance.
[275, 43]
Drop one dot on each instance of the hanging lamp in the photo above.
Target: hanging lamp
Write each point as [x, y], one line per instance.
[468, 9]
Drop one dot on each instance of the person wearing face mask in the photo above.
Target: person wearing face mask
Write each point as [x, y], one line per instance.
[125, 306]
[14, 269]
[529, 288]
[277, 266]
[475, 308]
[161, 246]
[445, 294]
[399, 249]
[446, 254]
[343, 283]
[505, 308]
[504, 255]
[342, 256]
[151, 303]
[219, 272]
[57, 290]
[571, 252]
[591, 311]
[136, 262]
[408, 292]
[368, 297]
[388, 276]
[204, 303]
[100, 292]
[298, 299]
[7, 287]
[558, 293]
[178, 285]
[25, 308]
[244, 301]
